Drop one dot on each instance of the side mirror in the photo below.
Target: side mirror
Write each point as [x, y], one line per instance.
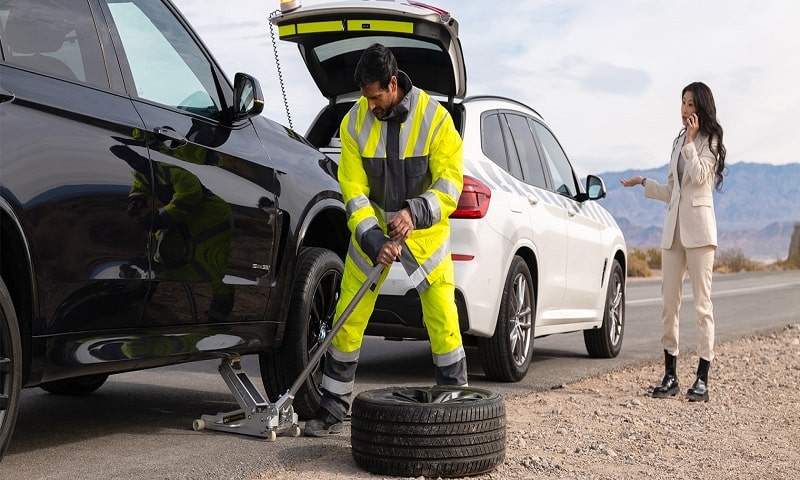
[595, 188]
[248, 101]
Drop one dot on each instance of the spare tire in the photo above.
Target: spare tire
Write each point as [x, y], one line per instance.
[440, 431]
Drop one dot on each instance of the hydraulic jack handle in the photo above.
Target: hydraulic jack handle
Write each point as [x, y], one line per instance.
[370, 282]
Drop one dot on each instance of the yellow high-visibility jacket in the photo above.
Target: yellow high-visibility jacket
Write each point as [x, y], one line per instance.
[413, 159]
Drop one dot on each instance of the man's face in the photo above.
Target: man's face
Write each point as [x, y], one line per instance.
[380, 100]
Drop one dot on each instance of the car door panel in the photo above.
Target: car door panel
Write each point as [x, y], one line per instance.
[85, 266]
[584, 260]
[547, 219]
[67, 186]
[213, 207]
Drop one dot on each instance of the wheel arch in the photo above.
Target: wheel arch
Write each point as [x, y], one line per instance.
[620, 256]
[17, 271]
[325, 226]
[529, 255]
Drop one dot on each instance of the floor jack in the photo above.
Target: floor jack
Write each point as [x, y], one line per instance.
[255, 415]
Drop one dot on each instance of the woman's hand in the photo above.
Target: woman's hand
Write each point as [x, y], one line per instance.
[633, 181]
[692, 127]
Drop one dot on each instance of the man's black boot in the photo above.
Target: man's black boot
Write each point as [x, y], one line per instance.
[323, 424]
[669, 384]
[699, 390]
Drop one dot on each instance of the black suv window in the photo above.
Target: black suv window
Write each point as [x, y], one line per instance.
[166, 64]
[53, 37]
[556, 159]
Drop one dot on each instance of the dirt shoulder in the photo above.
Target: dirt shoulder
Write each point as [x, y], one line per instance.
[608, 427]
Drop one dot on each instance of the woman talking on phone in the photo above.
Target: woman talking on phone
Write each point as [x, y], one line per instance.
[690, 232]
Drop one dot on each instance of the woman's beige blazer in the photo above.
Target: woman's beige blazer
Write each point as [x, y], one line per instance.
[691, 202]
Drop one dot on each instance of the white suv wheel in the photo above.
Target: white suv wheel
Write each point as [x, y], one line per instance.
[506, 356]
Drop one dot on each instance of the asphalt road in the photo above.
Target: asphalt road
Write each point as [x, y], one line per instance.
[139, 424]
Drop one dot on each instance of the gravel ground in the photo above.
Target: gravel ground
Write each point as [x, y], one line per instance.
[608, 427]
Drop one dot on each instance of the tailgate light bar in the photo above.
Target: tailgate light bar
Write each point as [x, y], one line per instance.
[365, 25]
[380, 26]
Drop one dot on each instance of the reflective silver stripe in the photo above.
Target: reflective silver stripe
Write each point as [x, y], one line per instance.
[433, 206]
[337, 387]
[445, 359]
[446, 186]
[344, 357]
[365, 225]
[352, 123]
[356, 203]
[427, 127]
[366, 127]
[358, 260]
[364, 135]
[419, 276]
[430, 129]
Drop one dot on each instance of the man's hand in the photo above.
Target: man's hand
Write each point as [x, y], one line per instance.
[389, 251]
[401, 226]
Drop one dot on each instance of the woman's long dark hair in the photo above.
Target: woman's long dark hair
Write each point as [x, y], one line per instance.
[707, 115]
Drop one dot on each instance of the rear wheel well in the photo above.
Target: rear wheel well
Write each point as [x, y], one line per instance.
[15, 271]
[533, 265]
[620, 257]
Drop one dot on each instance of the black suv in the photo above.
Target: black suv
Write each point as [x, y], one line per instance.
[148, 214]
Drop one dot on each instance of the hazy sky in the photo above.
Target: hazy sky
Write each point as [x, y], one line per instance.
[605, 75]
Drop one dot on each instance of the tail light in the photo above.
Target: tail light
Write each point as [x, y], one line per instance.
[474, 199]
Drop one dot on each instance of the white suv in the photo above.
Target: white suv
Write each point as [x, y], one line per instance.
[535, 254]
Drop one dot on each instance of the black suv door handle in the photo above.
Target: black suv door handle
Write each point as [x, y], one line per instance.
[170, 137]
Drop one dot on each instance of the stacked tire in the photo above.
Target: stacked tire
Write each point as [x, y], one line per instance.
[433, 432]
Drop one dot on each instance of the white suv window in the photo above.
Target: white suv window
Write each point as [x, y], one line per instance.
[556, 159]
[167, 65]
[492, 141]
[532, 172]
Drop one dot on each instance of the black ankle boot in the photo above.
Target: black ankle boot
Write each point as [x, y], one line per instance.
[669, 384]
[699, 389]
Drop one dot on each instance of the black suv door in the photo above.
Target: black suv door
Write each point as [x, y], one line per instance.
[61, 114]
[211, 232]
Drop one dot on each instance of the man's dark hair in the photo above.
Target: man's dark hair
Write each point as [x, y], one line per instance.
[377, 63]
